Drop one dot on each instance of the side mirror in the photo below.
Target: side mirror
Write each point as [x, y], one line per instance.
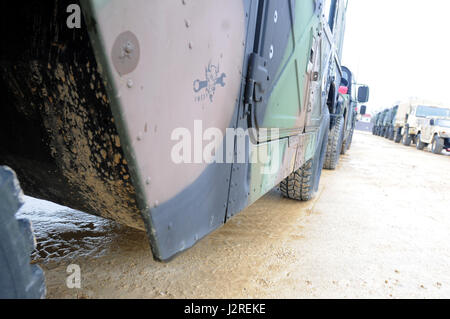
[363, 94]
[362, 110]
[432, 122]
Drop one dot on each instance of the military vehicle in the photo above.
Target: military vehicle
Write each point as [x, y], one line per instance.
[380, 123]
[416, 115]
[374, 121]
[389, 123]
[400, 120]
[386, 122]
[343, 118]
[106, 114]
[434, 131]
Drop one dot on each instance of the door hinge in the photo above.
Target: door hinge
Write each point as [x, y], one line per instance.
[257, 79]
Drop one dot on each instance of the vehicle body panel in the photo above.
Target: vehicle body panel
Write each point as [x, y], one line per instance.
[106, 104]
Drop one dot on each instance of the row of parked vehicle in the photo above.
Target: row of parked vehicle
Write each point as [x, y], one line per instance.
[419, 122]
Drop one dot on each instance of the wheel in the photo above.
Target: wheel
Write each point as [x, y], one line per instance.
[407, 139]
[414, 139]
[420, 145]
[303, 184]
[391, 134]
[351, 140]
[398, 136]
[437, 146]
[334, 144]
[346, 145]
[18, 278]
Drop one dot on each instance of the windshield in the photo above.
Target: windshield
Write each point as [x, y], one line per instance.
[443, 123]
[424, 111]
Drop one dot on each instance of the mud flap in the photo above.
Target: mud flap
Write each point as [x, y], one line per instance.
[321, 148]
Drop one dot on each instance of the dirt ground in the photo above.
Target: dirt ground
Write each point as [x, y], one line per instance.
[379, 228]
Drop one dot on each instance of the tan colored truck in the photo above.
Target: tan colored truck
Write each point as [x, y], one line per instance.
[434, 131]
[411, 115]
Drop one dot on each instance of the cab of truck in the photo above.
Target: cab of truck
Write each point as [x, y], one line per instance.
[400, 120]
[390, 132]
[434, 132]
[381, 121]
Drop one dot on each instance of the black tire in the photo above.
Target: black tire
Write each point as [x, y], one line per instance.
[420, 145]
[437, 146]
[346, 145]
[407, 138]
[303, 184]
[334, 144]
[298, 185]
[398, 136]
[351, 140]
[18, 278]
[391, 134]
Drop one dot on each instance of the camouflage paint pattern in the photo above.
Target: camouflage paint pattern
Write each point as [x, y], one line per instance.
[116, 89]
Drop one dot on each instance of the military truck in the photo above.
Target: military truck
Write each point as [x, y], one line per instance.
[434, 131]
[389, 123]
[400, 120]
[172, 126]
[343, 118]
[374, 121]
[417, 112]
[380, 123]
[386, 122]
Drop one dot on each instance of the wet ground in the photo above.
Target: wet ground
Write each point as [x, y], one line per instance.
[379, 228]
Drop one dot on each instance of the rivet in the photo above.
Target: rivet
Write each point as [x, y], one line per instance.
[275, 16]
[129, 47]
[183, 2]
[187, 23]
[271, 52]
[139, 137]
[130, 83]
[190, 45]
[148, 180]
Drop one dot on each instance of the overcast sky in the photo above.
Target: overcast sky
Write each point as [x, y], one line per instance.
[400, 48]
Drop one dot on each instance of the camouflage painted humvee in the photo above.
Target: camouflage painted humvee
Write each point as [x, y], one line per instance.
[343, 119]
[168, 116]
